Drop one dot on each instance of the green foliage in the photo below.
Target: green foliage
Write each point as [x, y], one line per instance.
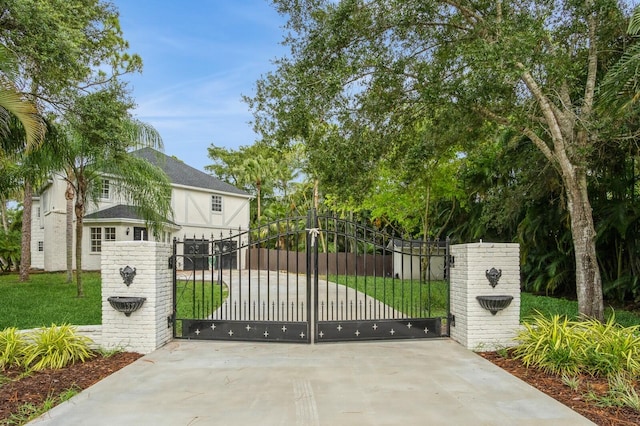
[621, 393]
[107, 353]
[264, 171]
[572, 382]
[9, 249]
[47, 298]
[610, 348]
[562, 346]
[64, 46]
[399, 85]
[55, 347]
[12, 344]
[549, 344]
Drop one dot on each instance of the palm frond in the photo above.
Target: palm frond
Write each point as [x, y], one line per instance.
[12, 102]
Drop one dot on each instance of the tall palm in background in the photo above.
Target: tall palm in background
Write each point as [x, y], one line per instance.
[21, 130]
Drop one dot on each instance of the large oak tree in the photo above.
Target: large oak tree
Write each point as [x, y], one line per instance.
[377, 68]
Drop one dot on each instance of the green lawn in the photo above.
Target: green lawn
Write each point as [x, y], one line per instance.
[411, 297]
[47, 299]
[530, 303]
[198, 300]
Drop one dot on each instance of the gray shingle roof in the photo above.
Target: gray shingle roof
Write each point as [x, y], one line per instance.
[116, 212]
[120, 211]
[182, 174]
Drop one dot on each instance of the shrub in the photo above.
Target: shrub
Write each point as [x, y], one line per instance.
[11, 347]
[610, 349]
[56, 347]
[561, 346]
[550, 344]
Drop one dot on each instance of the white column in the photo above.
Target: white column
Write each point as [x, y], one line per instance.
[146, 329]
[473, 326]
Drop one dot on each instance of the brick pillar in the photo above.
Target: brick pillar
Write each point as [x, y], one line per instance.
[475, 327]
[146, 329]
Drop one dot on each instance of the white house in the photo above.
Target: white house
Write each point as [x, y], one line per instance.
[202, 206]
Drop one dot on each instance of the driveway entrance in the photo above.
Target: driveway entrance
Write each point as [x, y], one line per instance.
[369, 383]
[317, 278]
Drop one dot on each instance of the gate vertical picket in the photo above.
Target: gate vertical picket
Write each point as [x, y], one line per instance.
[368, 284]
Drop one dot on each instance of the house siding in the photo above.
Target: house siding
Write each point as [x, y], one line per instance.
[192, 210]
[193, 216]
[37, 235]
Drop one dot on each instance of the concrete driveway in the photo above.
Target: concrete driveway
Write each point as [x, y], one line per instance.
[411, 382]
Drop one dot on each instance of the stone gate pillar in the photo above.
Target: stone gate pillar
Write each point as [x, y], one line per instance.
[132, 271]
[484, 278]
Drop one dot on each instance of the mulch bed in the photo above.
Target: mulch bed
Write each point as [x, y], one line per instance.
[575, 399]
[35, 388]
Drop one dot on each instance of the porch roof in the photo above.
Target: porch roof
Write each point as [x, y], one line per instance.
[121, 212]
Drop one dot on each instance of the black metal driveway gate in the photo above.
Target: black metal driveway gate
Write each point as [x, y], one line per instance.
[317, 278]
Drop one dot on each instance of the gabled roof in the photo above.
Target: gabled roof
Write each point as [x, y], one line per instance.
[181, 174]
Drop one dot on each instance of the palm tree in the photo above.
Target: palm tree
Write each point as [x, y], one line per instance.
[15, 104]
[621, 85]
[98, 140]
[255, 172]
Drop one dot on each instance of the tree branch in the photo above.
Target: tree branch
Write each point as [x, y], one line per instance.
[537, 140]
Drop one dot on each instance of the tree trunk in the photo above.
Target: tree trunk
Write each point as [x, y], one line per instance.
[69, 195]
[588, 279]
[567, 140]
[258, 188]
[79, 222]
[3, 213]
[4, 264]
[425, 225]
[79, 209]
[25, 257]
[316, 195]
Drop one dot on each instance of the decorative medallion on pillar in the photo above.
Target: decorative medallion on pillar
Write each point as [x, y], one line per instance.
[127, 273]
[493, 275]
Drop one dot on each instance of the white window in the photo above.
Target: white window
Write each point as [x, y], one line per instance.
[96, 240]
[109, 234]
[104, 194]
[40, 245]
[216, 203]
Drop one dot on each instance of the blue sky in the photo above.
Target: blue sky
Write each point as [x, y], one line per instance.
[199, 58]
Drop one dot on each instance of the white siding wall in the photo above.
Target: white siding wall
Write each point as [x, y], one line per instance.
[192, 210]
[37, 234]
[55, 242]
